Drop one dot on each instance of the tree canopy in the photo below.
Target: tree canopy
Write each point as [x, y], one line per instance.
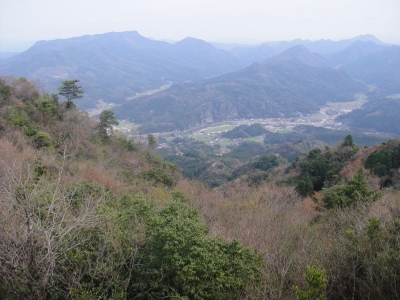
[70, 90]
[107, 119]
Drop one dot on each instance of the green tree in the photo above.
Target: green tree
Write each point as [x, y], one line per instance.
[151, 142]
[355, 190]
[70, 90]
[266, 162]
[348, 142]
[107, 119]
[42, 140]
[182, 262]
[316, 285]
[159, 176]
[5, 93]
[48, 108]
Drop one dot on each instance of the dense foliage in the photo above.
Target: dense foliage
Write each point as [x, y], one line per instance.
[355, 190]
[382, 161]
[321, 168]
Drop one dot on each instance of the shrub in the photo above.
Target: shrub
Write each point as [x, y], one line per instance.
[159, 176]
[345, 195]
[182, 262]
[316, 285]
[42, 140]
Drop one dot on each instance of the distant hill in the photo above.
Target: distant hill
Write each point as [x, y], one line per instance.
[258, 91]
[381, 69]
[356, 51]
[245, 131]
[379, 115]
[260, 53]
[115, 66]
[300, 54]
[324, 47]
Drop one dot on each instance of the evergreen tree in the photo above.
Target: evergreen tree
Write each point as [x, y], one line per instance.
[355, 190]
[107, 119]
[348, 142]
[151, 142]
[70, 90]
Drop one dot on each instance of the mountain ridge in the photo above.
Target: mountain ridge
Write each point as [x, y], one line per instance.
[115, 66]
[282, 89]
[300, 54]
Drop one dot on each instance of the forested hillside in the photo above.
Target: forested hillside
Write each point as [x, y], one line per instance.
[86, 213]
[283, 88]
[117, 65]
[379, 114]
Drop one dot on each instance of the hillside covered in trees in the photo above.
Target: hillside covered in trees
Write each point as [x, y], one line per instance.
[86, 213]
[281, 88]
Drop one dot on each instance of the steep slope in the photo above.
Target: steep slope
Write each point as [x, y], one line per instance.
[115, 66]
[258, 91]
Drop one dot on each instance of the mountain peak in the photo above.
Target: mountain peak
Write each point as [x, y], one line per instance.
[300, 54]
[193, 42]
[295, 50]
[367, 38]
[355, 51]
[192, 45]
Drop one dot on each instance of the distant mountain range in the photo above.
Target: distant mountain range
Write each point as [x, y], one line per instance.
[325, 47]
[356, 51]
[277, 79]
[381, 69]
[293, 82]
[114, 67]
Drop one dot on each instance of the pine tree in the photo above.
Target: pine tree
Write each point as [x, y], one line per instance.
[70, 90]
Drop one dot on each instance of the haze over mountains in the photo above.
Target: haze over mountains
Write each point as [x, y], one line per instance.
[291, 83]
[115, 66]
[278, 79]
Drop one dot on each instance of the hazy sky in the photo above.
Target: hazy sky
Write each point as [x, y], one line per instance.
[25, 21]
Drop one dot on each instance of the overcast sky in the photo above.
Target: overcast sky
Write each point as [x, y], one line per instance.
[24, 21]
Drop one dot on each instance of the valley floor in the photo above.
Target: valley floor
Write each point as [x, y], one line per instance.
[211, 133]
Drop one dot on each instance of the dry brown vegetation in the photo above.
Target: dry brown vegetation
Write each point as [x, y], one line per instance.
[292, 234]
[66, 230]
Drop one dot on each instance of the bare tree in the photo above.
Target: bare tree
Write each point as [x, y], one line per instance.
[39, 222]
